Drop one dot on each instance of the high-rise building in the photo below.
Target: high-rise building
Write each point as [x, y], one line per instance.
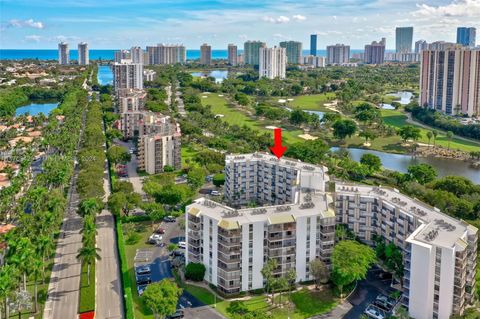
[313, 44]
[127, 75]
[205, 54]
[466, 36]
[375, 52]
[404, 39]
[297, 224]
[251, 51]
[121, 55]
[314, 61]
[450, 81]
[149, 75]
[294, 51]
[63, 53]
[442, 45]
[273, 63]
[232, 54]
[439, 251]
[338, 54]
[83, 56]
[166, 54]
[421, 45]
[136, 54]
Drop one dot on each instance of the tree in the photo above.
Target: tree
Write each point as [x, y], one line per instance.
[162, 298]
[8, 275]
[308, 151]
[37, 270]
[409, 132]
[89, 206]
[172, 247]
[196, 177]
[435, 134]
[237, 307]
[344, 128]
[373, 162]
[394, 261]
[45, 247]
[429, 136]
[368, 135]
[422, 173]
[319, 271]
[350, 262]
[118, 154]
[88, 255]
[449, 137]
[195, 271]
[270, 280]
[219, 179]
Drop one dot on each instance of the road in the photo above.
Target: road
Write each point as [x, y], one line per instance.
[179, 100]
[132, 169]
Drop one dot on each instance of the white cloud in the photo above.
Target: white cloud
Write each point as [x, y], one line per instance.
[279, 20]
[33, 38]
[66, 38]
[26, 23]
[457, 8]
[299, 17]
[243, 36]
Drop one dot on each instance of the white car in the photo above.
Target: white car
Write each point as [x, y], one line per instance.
[182, 244]
[373, 313]
[155, 239]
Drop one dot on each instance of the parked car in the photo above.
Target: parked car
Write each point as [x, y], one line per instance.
[373, 312]
[155, 239]
[141, 289]
[387, 300]
[169, 219]
[176, 315]
[182, 244]
[143, 280]
[177, 253]
[215, 193]
[382, 305]
[143, 270]
[159, 231]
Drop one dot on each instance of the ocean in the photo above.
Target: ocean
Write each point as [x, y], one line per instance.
[14, 54]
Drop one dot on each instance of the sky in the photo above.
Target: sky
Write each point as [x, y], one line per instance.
[114, 24]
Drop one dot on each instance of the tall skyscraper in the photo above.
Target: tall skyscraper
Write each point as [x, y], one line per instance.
[121, 55]
[127, 75]
[272, 62]
[136, 54]
[466, 36]
[83, 57]
[63, 53]
[404, 39]
[338, 54]
[313, 44]
[375, 52]
[251, 51]
[450, 81]
[232, 54]
[294, 51]
[205, 54]
[421, 45]
[166, 54]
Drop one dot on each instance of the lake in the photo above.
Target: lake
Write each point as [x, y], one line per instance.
[404, 98]
[105, 75]
[36, 108]
[400, 163]
[219, 75]
[318, 113]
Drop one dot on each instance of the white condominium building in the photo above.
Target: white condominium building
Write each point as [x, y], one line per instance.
[296, 227]
[121, 55]
[127, 75]
[450, 81]
[63, 53]
[83, 56]
[273, 62]
[338, 54]
[439, 251]
[149, 75]
[166, 54]
[232, 55]
[314, 61]
[294, 51]
[205, 54]
[136, 54]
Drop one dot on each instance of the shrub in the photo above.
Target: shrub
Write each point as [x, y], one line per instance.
[195, 271]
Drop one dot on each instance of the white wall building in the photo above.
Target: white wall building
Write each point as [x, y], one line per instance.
[127, 75]
[83, 54]
[273, 63]
[63, 53]
[137, 54]
[232, 55]
[314, 61]
[149, 75]
[338, 54]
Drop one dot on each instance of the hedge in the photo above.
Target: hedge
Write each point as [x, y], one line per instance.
[126, 283]
[87, 292]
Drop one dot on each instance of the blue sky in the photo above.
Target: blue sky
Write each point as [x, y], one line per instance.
[112, 24]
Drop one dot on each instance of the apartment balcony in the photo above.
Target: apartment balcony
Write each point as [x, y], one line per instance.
[230, 249]
[229, 259]
[229, 266]
[194, 242]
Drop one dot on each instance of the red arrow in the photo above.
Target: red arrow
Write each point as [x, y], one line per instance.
[277, 148]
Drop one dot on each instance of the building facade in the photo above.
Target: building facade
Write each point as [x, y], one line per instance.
[121, 55]
[375, 52]
[251, 52]
[232, 55]
[421, 45]
[403, 39]
[314, 61]
[273, 63]
[466, 36]
[63, 53]
[83, 55]
[439, 251]
[297, 224]
[313, 44]
[166, 54]
[294, 51]
[450, 81]
[137, 55]
[149, 75]
[338, 54]
[127, 75]
[205, 54]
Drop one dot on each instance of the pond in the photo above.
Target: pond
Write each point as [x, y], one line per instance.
[318, 113]
[36, 108]
[219, 75]
[400, 163]
[404, 96]
[105, 75]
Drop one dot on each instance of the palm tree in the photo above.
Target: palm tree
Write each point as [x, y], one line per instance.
[435, 133]
[8, 274]
[21, 256]
[89, 207]
[429, 136]
[88, 254]
[45, 246]
[449, 137]
[37, 268]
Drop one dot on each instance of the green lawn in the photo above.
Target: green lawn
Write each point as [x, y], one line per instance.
[313, 102]
[87, 290]
[238, 117]
[310, 303]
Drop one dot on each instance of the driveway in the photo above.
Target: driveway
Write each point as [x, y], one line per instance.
[132, 168]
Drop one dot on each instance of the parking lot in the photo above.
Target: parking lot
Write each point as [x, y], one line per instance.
[377, 283]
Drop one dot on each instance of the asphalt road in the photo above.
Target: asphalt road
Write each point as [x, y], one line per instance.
[132, 169]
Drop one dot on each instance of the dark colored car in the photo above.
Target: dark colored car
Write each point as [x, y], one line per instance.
[159, 231]
[176, 315]
[144, 280]
[177, 253]
[169, 219]
[143, 270]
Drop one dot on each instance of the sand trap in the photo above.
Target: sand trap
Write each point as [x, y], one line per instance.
[219, 115]
[270, 127]
[204, 96]
[206, 93]
[282, 101]
[367, 144]
[289, 100]
[308, 137]
[220, 95]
